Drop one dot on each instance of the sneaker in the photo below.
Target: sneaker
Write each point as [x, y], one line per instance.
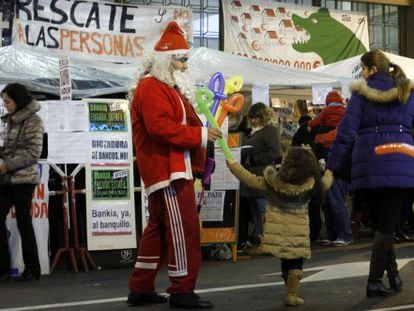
[137, 299]
[339, 242]
[325, 242]
[244, 245]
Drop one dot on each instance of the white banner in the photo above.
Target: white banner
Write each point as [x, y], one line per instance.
[292, 35]
[95, 30]
[40, 216]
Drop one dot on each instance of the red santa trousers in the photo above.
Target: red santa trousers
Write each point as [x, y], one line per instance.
[172, 233]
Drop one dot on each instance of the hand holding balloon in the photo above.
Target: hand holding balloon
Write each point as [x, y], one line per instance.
[204, 99]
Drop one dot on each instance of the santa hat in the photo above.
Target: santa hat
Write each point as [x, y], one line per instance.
[172, 41]
[333, 97]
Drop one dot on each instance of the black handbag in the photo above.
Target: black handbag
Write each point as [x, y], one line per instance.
[5, 180]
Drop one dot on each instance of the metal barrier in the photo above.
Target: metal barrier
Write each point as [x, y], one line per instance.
[70, 217]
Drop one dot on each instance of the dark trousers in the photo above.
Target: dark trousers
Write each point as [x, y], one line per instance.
[291, 264]
[338, 222]
[384, 210]
[21, 197]
[315, 221]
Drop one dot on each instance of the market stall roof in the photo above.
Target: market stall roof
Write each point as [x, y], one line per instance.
[349, 69]
[205, 62]
[40, 72]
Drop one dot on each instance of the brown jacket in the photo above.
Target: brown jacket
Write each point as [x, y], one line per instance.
[23, 166]
[286, 230]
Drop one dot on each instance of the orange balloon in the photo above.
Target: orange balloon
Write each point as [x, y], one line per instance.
[233, 104]
[395, 148]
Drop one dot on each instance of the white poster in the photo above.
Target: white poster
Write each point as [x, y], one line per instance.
[59, 117]
[95, 30]
[212, 205]
[260, 94]
[110, 207]
[319, 94]
[113, 147]
[40, 216]
[222, 178]
[292, 35]
[68, 147]
[64, 79]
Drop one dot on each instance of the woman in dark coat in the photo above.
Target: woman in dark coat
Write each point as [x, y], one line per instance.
[380, 111]
[262, 148]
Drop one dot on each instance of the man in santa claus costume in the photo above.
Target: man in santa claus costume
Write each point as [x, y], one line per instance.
[170, 146]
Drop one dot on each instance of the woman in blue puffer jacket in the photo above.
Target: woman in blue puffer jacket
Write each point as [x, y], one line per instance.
[380, 111]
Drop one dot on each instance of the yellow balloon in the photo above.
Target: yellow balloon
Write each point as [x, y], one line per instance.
[218, 112]
[233, 84]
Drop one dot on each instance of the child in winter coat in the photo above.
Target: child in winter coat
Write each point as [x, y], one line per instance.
[286, 231]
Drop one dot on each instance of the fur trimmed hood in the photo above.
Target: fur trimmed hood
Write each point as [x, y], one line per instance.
[271, 177]
[373, 94]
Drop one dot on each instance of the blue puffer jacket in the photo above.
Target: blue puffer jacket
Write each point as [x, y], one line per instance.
[374, 116]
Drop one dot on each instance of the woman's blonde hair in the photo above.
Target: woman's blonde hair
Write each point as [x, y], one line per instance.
[378, 59]
[265, 114]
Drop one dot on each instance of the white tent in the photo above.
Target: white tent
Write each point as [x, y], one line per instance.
[40, 72]
[350, 68]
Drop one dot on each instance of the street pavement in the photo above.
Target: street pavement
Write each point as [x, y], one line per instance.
[334, 279]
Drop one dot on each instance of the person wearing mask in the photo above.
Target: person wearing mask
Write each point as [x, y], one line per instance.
[169, 140]
[19, 157]
[380, 111]
[262, 147]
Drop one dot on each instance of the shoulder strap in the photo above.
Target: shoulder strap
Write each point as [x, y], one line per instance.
[13, 153]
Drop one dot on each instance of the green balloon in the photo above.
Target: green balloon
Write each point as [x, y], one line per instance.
[205, 99]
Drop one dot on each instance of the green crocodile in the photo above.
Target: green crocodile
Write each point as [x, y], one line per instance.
[330, 39]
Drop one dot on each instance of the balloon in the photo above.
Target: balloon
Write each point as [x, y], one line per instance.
[216, 85]
[233, 85]
[395, 148]
[233, 104]
[204, 99]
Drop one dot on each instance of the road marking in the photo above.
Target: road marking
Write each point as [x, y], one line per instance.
[331, 272]
[340, 271]
[407, 307]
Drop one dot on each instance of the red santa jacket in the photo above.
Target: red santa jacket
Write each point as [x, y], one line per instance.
[167, 135]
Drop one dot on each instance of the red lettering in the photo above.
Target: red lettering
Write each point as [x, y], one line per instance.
[40, 192]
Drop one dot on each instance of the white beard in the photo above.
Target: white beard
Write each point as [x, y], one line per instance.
[186, 85]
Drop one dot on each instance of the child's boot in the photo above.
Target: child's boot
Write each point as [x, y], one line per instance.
[292, 286]
[285, 276]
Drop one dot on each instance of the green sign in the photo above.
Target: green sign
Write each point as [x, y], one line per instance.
[106, 117]
[110, 184]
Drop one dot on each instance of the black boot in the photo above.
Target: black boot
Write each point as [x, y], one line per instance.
[396, 283]
[377, 289]
[189, 301]
[28, 274]
[136, 299]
